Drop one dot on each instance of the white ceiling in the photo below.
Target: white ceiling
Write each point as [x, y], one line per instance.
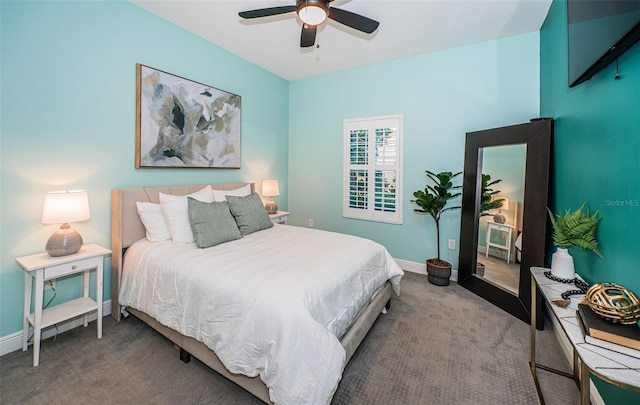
[406, 28]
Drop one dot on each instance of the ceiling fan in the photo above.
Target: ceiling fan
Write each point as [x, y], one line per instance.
[313, 13]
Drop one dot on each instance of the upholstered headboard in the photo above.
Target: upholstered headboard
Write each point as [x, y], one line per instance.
[126, 227]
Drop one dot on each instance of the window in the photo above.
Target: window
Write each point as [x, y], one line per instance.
[373, 169]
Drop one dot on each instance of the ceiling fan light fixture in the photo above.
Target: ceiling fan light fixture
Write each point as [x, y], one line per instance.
[312, 12]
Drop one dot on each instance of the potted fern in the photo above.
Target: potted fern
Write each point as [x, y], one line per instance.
[433, 201]
[577, 228]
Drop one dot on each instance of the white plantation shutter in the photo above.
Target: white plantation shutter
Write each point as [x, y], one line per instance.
[373, 169]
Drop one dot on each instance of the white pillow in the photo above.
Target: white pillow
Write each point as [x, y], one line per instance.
[220, 195]
[153, 220]
[176, 212]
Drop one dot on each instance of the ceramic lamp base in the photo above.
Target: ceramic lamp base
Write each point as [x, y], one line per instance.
[499, 218]
[65, 241]
[271, 207]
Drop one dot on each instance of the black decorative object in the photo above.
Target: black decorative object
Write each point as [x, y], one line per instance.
[583, 287]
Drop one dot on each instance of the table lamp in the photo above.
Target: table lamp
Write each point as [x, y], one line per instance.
[63, 207]
[499, 217]
[270, 189]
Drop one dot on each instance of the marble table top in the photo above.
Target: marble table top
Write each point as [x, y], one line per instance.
[617, 367]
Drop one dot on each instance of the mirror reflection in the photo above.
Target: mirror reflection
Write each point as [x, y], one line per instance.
[500, 221]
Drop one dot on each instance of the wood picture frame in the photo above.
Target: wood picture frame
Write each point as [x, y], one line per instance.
[181, 123]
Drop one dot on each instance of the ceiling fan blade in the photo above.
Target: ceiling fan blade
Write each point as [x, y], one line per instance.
[308, 35]
[266, 12]
[353, 20]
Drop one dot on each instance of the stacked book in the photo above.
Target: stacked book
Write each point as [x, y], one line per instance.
[613, 336]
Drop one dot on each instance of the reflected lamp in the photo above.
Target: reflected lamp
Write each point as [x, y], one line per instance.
[499, 217]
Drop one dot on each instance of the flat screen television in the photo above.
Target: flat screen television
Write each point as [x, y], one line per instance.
[599, 32]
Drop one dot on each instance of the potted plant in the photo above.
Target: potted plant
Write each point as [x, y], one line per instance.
[487, 203]
[577, 228]
[433, 201]
[486, 198]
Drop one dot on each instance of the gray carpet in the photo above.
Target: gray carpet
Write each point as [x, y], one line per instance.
[437, 345]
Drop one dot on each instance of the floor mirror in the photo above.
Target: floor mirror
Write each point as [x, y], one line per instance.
[499, 245]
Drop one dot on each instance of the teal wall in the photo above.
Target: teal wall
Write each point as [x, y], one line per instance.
[596, 158]
[443, 95]
[68, 120]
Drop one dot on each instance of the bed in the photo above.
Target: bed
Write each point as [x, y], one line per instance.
[293, 333]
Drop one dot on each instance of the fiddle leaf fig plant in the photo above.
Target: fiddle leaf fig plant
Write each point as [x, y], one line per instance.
[434, 198]
[577, 228]
[486, 200]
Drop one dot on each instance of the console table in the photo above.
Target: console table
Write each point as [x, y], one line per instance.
[612, 367]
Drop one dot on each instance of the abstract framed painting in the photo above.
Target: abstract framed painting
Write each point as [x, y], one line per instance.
[185, 124]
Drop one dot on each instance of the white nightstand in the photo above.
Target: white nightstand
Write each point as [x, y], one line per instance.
[280, 217]
[42, 267]
[508, 229]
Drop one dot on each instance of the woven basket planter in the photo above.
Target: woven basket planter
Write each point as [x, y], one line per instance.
[438, 272]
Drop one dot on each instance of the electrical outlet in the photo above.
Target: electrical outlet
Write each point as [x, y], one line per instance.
[310, 224]
[49, 284]
[452, 244]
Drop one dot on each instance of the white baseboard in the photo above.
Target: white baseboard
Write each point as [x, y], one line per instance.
[421, 268]
[13, 342]
[567, 349]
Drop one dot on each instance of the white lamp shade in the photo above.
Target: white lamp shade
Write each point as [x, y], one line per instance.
[505, 202]
[270, 188]
[62, 207]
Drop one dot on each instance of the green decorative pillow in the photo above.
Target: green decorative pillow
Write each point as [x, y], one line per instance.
[249, 213]
[211, 223]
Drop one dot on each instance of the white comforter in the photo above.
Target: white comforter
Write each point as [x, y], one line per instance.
[271, 304]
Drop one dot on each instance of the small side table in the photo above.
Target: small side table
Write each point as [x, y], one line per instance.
[280, 217]
[494, 226]
[43, 267]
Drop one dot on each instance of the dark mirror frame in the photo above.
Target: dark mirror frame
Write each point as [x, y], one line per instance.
[537, 136]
